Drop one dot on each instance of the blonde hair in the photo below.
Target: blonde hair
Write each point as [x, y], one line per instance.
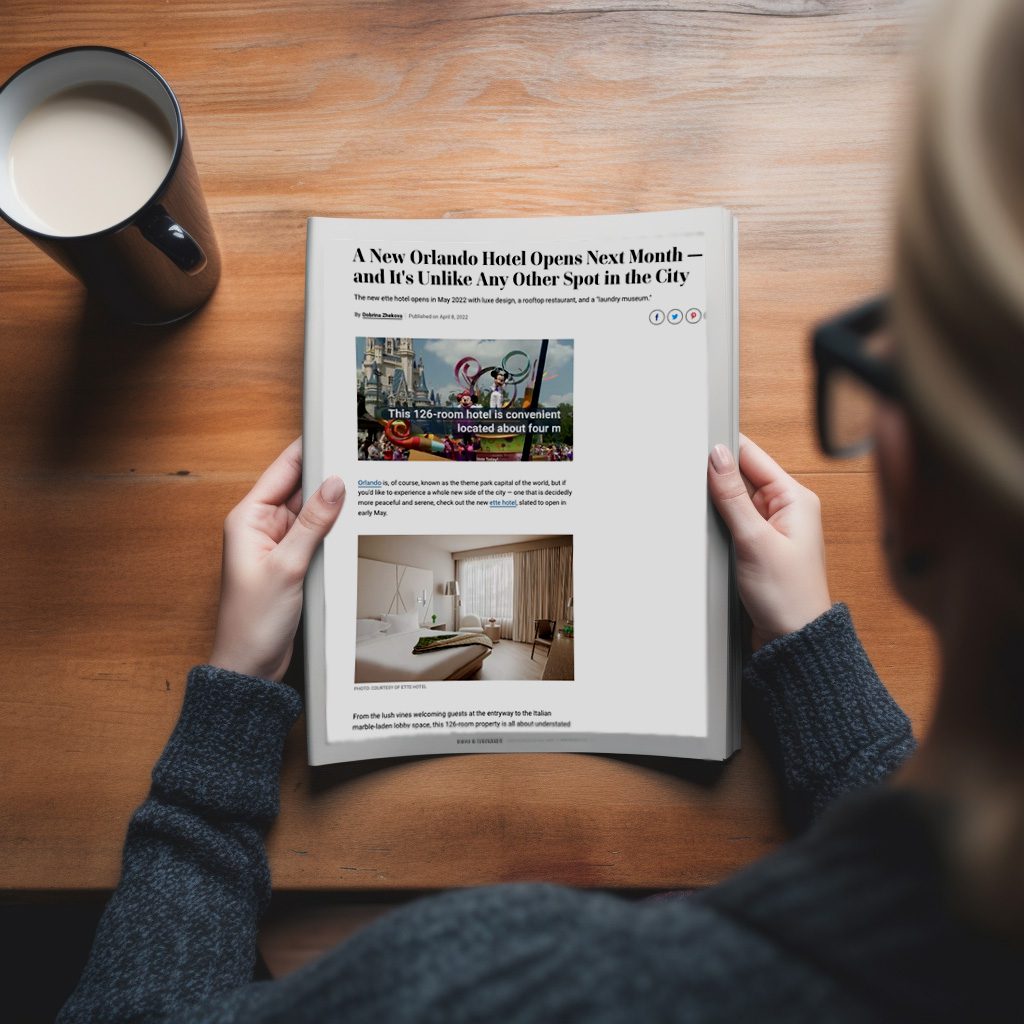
[958, 325]
[958, 301]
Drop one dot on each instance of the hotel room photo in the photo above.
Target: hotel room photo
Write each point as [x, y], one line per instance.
[469, 606]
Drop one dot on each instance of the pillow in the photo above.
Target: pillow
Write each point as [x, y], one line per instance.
[369, 627]
[404, 623]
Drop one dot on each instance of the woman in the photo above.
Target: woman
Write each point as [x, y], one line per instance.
[899, 901]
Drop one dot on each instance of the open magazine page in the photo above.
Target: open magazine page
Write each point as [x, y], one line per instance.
[519, 409]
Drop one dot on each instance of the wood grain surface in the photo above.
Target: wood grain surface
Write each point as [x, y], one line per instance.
[121, 449]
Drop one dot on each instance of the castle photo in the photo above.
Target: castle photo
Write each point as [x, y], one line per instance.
[390, 375]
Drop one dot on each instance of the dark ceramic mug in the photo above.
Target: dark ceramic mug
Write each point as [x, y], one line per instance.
[160, 262]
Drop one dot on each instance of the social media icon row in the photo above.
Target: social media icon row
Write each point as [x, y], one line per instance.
[676, 316]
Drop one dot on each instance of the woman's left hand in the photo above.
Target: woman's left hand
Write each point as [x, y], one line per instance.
[269, 540]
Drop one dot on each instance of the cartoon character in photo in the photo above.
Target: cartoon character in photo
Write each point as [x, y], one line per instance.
[500, 376]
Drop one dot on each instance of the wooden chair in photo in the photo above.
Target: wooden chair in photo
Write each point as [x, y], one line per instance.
[543, 634]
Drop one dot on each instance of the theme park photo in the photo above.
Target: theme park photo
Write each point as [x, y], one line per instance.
[477, 400]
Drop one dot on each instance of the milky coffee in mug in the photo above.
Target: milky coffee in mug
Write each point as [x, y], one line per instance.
[95, 168]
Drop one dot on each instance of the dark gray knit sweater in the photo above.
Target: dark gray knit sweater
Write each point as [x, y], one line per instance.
[846, 923]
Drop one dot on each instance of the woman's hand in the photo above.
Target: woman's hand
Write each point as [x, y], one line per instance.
[269, 540]
[776, 528]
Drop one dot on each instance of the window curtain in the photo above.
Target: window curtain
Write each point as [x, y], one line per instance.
[543, 588]
[486, 588]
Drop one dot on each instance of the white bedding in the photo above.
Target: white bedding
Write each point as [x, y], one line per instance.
[388, 658]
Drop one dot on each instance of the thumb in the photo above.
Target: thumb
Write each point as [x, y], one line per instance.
[729, 494]
[312, 524]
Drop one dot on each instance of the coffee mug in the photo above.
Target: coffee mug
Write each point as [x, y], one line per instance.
[96, 169]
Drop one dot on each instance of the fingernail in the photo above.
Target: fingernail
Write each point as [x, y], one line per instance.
[332, 489]
[721, 459]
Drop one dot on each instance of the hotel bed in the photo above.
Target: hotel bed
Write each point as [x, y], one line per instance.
[388, 658]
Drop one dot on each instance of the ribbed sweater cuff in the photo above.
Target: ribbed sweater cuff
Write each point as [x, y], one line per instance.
[224, 756]
[823, 716]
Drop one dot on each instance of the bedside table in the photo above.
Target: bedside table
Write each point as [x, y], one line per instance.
[494, 632]
[440, 626]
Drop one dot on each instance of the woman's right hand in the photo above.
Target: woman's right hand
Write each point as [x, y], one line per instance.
[775, 524]
[269, 539]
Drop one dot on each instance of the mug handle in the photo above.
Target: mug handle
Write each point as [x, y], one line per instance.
[159, 228]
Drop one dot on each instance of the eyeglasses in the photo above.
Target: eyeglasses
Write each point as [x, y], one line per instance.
[852, 373]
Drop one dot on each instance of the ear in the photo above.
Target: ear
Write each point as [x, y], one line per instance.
[912, 508]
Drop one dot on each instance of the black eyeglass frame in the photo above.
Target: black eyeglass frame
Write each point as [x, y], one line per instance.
[839, 344]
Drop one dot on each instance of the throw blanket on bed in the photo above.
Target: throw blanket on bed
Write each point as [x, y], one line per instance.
[445, 640]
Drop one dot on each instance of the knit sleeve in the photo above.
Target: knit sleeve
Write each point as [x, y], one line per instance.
[181, 925]
[824, 718]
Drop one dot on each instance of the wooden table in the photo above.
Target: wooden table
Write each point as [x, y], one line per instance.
[122, 449]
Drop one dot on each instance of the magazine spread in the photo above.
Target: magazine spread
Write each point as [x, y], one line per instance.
[527, 559]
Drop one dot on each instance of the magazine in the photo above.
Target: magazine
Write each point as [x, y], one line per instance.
[527, 559]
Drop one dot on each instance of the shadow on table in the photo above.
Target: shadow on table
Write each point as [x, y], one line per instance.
[102, 384]
[706, 774]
